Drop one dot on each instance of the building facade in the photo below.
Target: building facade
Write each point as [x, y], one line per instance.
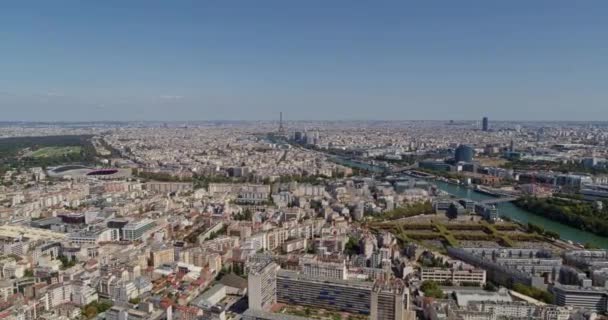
[262, 285]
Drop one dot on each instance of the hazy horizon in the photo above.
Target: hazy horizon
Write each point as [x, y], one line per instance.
[446, 121]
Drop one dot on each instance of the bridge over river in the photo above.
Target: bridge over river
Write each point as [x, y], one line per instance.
[498, 200]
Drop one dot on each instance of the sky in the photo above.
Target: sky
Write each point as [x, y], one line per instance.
[179, 60]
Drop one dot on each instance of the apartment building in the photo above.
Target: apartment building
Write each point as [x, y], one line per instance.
[162, 255]
[294, 245]
[312, 267]
[380, 300]
[454, 276]
[514, 265]
[592, 298]
[262, 285]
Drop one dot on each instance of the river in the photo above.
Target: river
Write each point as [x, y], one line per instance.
[511, 211]
[504, 209]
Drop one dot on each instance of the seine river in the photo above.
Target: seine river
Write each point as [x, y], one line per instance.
[504, 209]
[515, 213]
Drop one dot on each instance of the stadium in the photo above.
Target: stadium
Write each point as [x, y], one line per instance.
[83, 172]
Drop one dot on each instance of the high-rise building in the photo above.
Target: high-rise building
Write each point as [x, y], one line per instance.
[390, 301]
[485, 126]
[262, 285]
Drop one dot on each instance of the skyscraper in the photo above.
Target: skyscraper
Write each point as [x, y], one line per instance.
[485, 126]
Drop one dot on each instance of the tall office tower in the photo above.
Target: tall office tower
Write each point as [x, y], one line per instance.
[485, 126]
[262, 285]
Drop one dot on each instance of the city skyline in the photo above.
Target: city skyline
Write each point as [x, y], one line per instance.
[398, 61]
[283, 160]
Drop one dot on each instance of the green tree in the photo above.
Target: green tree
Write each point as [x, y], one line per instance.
[94, 308]
[590, 246]
[410, 210]
[431, 289]
[66, 262]
[352, 246]
[580, 215]
[90, 312]
[489, 286]
[533, 292]
[552, 234]
[452, 211]
[246, 215]
[534, 228]
[237, 269]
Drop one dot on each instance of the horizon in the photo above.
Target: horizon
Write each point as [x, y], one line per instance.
[447, 121]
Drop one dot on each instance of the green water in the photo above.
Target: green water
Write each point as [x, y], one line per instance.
[515, 213]
[504, 209]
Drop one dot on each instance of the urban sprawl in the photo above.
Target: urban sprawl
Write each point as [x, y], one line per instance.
[439, 220]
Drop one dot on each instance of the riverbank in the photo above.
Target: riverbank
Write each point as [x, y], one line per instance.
[524, 217]
[508, 210]
[580, 215]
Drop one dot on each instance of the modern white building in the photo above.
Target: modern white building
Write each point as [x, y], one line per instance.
[135, 230]
[94, 236]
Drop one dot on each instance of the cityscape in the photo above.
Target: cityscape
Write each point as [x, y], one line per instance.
[304, 220]
[293, 160]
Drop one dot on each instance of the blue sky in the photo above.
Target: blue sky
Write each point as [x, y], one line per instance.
[199, 60]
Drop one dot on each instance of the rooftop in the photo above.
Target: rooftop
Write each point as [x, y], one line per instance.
[464, 297]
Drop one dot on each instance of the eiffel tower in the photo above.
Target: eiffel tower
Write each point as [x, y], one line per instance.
[281, 128]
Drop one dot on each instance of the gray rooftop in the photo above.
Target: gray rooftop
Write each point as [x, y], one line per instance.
[464, 297]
